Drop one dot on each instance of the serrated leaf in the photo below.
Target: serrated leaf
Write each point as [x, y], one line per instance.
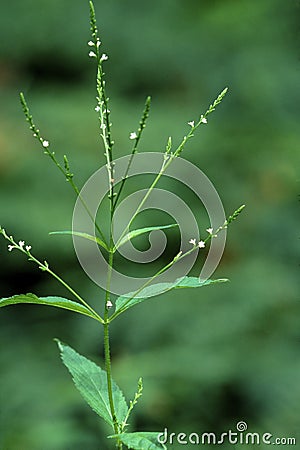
[138, 232]
[91, 382]
[122, 303]
[59, 302]
[83, 235]
[141, 440]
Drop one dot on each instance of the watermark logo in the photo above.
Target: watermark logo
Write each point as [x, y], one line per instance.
[239, 436]
[88, 252]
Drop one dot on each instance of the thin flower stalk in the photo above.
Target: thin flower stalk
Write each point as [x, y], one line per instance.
[102, 107]
[136, 137]
[169, 156]
[64, 170]
[44, 266]
[195, 246]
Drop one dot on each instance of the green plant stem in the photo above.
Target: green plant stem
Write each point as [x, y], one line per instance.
[159, 272]
[142, 125]
[102, 108]
[169, 157]
[108, 372]
[107, 355]
[64, 170]
[158, 176]
[178, 258]
[45, 267]
[76, 190]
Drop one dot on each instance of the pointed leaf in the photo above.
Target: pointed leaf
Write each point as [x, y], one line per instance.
[194, 282]
[59, 302]
[91, 382]
[141, 440]
[83, 235]
[138, 232]
[123, 304]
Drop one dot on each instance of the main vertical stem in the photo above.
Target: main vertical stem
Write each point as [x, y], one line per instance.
[107, 347]
[108, 373]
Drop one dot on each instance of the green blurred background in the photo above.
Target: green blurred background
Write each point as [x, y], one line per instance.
[209, 357]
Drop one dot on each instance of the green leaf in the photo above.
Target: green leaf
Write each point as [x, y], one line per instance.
[140, 440]
[91, 382]
[138, 232]
[122, 303]
[59, 302]
[194, 282]
[83, 235]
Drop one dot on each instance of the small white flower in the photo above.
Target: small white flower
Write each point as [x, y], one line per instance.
[203, 120]
[191, 123]
[201, 244]
[97, 109]
[34, 135]
[91, 43]
[109, 304]
[104, 57]
[28, 248]
[45, 144]
[10, 247]
[133, 135]
[21, 244]
[103, 126]
[92, 54]
[98, 43]
[209, 230]
[192, 241]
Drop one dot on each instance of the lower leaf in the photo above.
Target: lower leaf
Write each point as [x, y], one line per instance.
[140, 440]
[91, 382]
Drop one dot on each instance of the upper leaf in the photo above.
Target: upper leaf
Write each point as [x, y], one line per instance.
[59, 302]
[83, 235]
[138, 232]
[141, 440]
[125, 301]
[91, 381]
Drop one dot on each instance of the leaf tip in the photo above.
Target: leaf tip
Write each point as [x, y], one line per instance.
[59, 344]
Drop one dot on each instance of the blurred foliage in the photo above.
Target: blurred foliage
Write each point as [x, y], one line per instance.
[207, 362]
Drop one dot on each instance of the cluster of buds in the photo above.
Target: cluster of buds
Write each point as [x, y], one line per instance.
[14, 245]
[20, 246]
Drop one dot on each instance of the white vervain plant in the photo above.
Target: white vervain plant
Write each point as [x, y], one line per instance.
[94, 383]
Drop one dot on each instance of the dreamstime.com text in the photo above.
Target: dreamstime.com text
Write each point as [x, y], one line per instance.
[240, 436]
